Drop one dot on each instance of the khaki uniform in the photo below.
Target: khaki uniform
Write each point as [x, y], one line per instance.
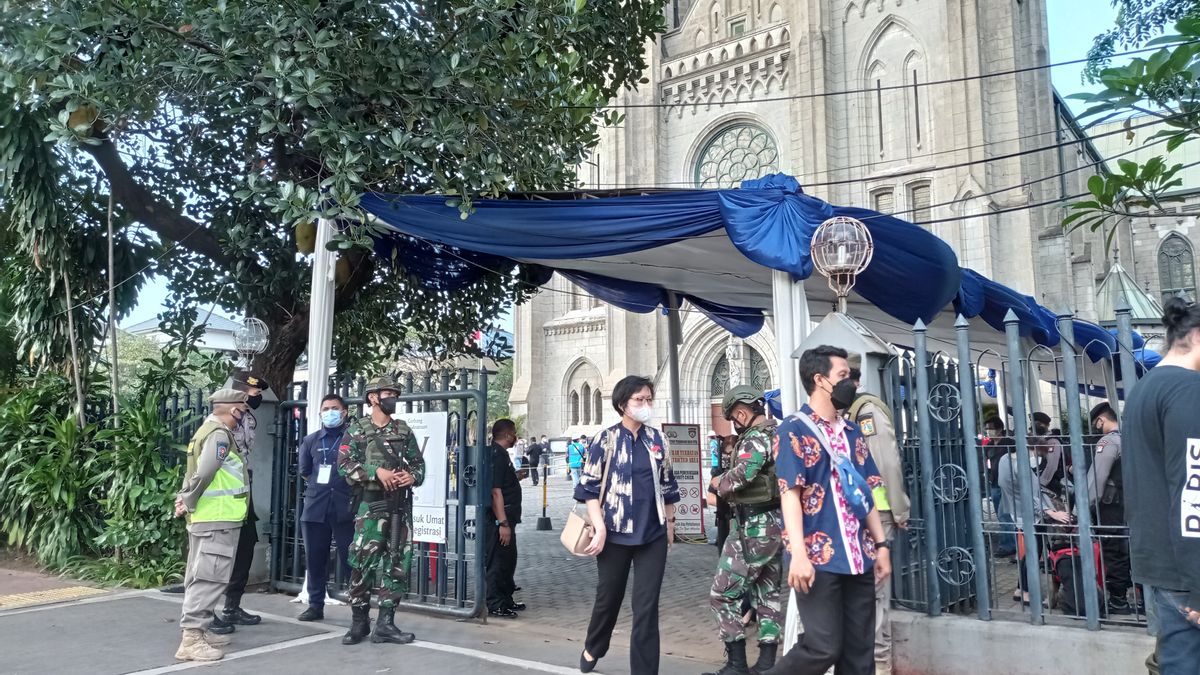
[874, 419]
[211, 544]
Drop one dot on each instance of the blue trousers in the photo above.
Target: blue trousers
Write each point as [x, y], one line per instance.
[1006, 541]
[317, 539]
[1178, 640]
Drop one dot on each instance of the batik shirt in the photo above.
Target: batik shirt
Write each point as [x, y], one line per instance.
[835, 540]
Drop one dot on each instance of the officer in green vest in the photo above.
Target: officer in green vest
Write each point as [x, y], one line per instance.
[751, 564]
[382, 461]
[214, 501]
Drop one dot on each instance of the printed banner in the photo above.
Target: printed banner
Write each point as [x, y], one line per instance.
[429, 499]
[683, 442]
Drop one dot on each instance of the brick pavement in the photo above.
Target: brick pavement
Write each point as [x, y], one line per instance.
[559, 588]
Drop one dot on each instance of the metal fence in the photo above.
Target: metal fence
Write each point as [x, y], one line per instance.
[960, 552]
[445, 579]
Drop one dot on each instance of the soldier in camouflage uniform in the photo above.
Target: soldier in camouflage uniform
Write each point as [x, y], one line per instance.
[752, 561]
[382, 461]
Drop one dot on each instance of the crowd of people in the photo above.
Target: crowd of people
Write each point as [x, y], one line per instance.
[807, 507]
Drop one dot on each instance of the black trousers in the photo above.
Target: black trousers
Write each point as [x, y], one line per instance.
[648, 562]
[241, 564]
[1114, 547]
[317, 538]
[501, 568]
[838, 614]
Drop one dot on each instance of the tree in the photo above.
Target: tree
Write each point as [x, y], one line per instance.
[1137, 21]
[499, 387]
[1165, 85]
[224, 129]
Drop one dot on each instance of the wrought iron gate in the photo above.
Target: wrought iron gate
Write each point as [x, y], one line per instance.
[444, 579]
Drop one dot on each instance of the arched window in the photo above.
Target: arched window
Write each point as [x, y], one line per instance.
[736, 153]
[585, 399]
[759, 375]
[574, 408]
[1177, 268]
[597, 407]
[719, 384]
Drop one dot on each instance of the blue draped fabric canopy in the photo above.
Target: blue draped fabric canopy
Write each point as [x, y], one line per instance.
[713, 248]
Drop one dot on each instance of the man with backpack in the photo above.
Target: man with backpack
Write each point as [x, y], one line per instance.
[874, 419]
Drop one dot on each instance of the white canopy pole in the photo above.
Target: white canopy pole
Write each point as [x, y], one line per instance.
[320, 322]
[801, 321]
[781, 305]
[674, 339]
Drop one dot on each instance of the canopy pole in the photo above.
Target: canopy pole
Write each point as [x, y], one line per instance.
[801, 320]
[320, 322]
[674, 339]
[1110, 385]
[781, 307]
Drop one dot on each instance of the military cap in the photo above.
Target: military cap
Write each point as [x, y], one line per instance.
[739, 394]
[382, 382]
[227, 396]
[245, 377]
[1041, 417]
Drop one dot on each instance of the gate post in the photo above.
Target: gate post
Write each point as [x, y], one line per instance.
[1020, 466]
[933, 592]
[1091, 604]
[1129, 376]
[966, 393]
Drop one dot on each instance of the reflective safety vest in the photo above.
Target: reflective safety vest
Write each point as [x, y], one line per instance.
[226, 497]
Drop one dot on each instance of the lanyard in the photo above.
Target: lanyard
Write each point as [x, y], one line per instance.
[326, 448]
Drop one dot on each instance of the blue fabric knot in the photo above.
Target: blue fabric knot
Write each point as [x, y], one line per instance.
[774, 181]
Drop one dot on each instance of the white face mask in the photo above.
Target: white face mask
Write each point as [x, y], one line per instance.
[1033, 461]
[642, 414]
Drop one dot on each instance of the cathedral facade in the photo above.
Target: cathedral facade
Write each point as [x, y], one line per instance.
[938, 111]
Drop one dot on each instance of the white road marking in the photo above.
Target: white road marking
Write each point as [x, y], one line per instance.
[233, 656]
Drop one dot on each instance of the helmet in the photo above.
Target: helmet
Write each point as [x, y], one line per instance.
[739, 394]
[382, 382]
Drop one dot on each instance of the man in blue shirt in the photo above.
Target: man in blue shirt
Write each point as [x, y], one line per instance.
[575, 452]
[326, 514]
[833, 534]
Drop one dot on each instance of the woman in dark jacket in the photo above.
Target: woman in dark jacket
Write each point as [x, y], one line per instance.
[633, 513]
[326, 514]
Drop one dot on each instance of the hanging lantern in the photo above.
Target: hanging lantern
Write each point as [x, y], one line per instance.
[841, 249]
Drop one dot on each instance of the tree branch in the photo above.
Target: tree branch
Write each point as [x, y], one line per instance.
[146, 208]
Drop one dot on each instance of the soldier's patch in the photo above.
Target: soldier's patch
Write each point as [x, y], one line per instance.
[222, 450]
[867, 424]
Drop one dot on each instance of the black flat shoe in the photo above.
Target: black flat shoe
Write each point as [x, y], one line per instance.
[586, 666]
[517, 607]
[312, 614]
[505, 613]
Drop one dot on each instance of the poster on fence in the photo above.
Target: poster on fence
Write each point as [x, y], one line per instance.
[683, 442]
[429, 499]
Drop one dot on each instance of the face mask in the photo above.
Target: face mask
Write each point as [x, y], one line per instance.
[643, 414]
[331, 418]
[254, 401]
[1033, 461]
[1041, 431]
[843, 394]
[388, 405]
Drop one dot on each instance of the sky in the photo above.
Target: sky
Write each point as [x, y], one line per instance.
[1072, 25]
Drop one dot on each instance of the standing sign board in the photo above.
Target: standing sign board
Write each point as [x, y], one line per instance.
[683, 442]
[429, 499]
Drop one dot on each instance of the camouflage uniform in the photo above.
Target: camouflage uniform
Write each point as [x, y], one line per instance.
[381, 547]
[752, 560]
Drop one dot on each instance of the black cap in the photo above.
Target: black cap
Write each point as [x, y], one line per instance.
[246, 378]
[1041, 417]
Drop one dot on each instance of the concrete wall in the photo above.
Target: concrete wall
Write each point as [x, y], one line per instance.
[953, 645]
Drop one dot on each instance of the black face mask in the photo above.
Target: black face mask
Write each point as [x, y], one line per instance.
[843, 394]
[254, 401]
[388, 405]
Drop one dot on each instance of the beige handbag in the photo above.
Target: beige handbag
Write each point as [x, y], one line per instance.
[578, 531]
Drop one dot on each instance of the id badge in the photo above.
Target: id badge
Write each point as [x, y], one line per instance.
[323, 472]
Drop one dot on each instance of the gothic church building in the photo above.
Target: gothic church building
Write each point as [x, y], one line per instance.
[929, 109]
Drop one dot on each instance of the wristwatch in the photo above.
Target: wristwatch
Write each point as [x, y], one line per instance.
[501, 523]
[883, 544]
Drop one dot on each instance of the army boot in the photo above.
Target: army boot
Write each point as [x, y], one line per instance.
[386, 631]
[766, 657]
[735, 659]
[194, 648]
[216, 639]
[360, 625]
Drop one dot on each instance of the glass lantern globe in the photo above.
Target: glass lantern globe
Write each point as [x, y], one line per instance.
[841, 249]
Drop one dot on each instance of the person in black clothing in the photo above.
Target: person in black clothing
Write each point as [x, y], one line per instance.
[1161, 485]
[505, 511]
[1106, 497]
[533, 458]
[326, 515]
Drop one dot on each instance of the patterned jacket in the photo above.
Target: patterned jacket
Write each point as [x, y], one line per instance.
[617, 502]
